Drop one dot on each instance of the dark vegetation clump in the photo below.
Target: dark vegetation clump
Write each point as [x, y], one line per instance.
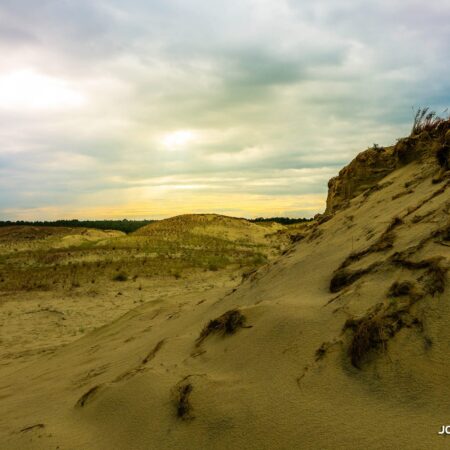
[322, 350]
[375, 188]
[227, 323]
[87, 396]
[182, 404]
[371, 190]
[402, 194]
[153, 352]
[296, 237]
[443, 155]
[120, 277]
[282, 220]
[405, 289]
[399, 289]
[434, 278]
[395, 222]
[386, 240]
[322, 218]
[249, 274]
[372, 332]
[345, 277]
[445, 232]
[378, 148]
[368, 335]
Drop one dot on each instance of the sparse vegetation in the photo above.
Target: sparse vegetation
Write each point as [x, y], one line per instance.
[227, 323]
[171, 249]
[121, 276]
[378, 148]
[322, 350]
[442, 156]
[399, 289]
[434, 278]
[427, 120]
[372, 332]
[87, 396]
[153, 352]
[182, 403]
[345, 277]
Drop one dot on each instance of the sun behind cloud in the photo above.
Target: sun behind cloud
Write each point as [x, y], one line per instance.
[25, 89]
[178, 140]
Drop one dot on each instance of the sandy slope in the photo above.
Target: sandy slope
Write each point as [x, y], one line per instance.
[141, 382]
[57, 284]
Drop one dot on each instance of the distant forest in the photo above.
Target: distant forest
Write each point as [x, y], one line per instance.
[282, 220]
[125, 225]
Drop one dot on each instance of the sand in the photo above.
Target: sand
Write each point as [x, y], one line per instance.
[284, 380]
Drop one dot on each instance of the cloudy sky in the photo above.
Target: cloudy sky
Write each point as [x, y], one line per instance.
[151, 108]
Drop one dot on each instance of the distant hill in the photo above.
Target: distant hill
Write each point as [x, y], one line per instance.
[213, 225]
[125, 225]
[44, 257]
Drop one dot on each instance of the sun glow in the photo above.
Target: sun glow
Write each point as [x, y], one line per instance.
[29, 90]
[178, 140]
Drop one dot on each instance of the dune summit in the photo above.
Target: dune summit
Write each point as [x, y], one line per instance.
[340, 342]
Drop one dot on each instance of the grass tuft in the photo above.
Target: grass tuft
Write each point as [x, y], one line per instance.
[345, 277]
[227, 323]
[427, 120]
[434, 278]
[120, 277]
[182, 403]
[372, 332]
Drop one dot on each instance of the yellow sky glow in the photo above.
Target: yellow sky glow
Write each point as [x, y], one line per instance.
[158, 208]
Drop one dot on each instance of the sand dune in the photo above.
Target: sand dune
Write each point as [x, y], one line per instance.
[342, 342]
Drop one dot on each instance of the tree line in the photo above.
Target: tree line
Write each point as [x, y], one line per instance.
[125, 225]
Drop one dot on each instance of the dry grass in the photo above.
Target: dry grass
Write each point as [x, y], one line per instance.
[371, 333]
[345, 277]
[182, 403]
[87, 396]
[399, 289]
[406, 289]
[442, 156]
[322, 350]
[38, 260]
[427, 120]
[153, 352]
[368, 335]
[434, 279]
[227, 323]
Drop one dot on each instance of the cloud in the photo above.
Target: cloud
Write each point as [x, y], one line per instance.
[261, 101]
